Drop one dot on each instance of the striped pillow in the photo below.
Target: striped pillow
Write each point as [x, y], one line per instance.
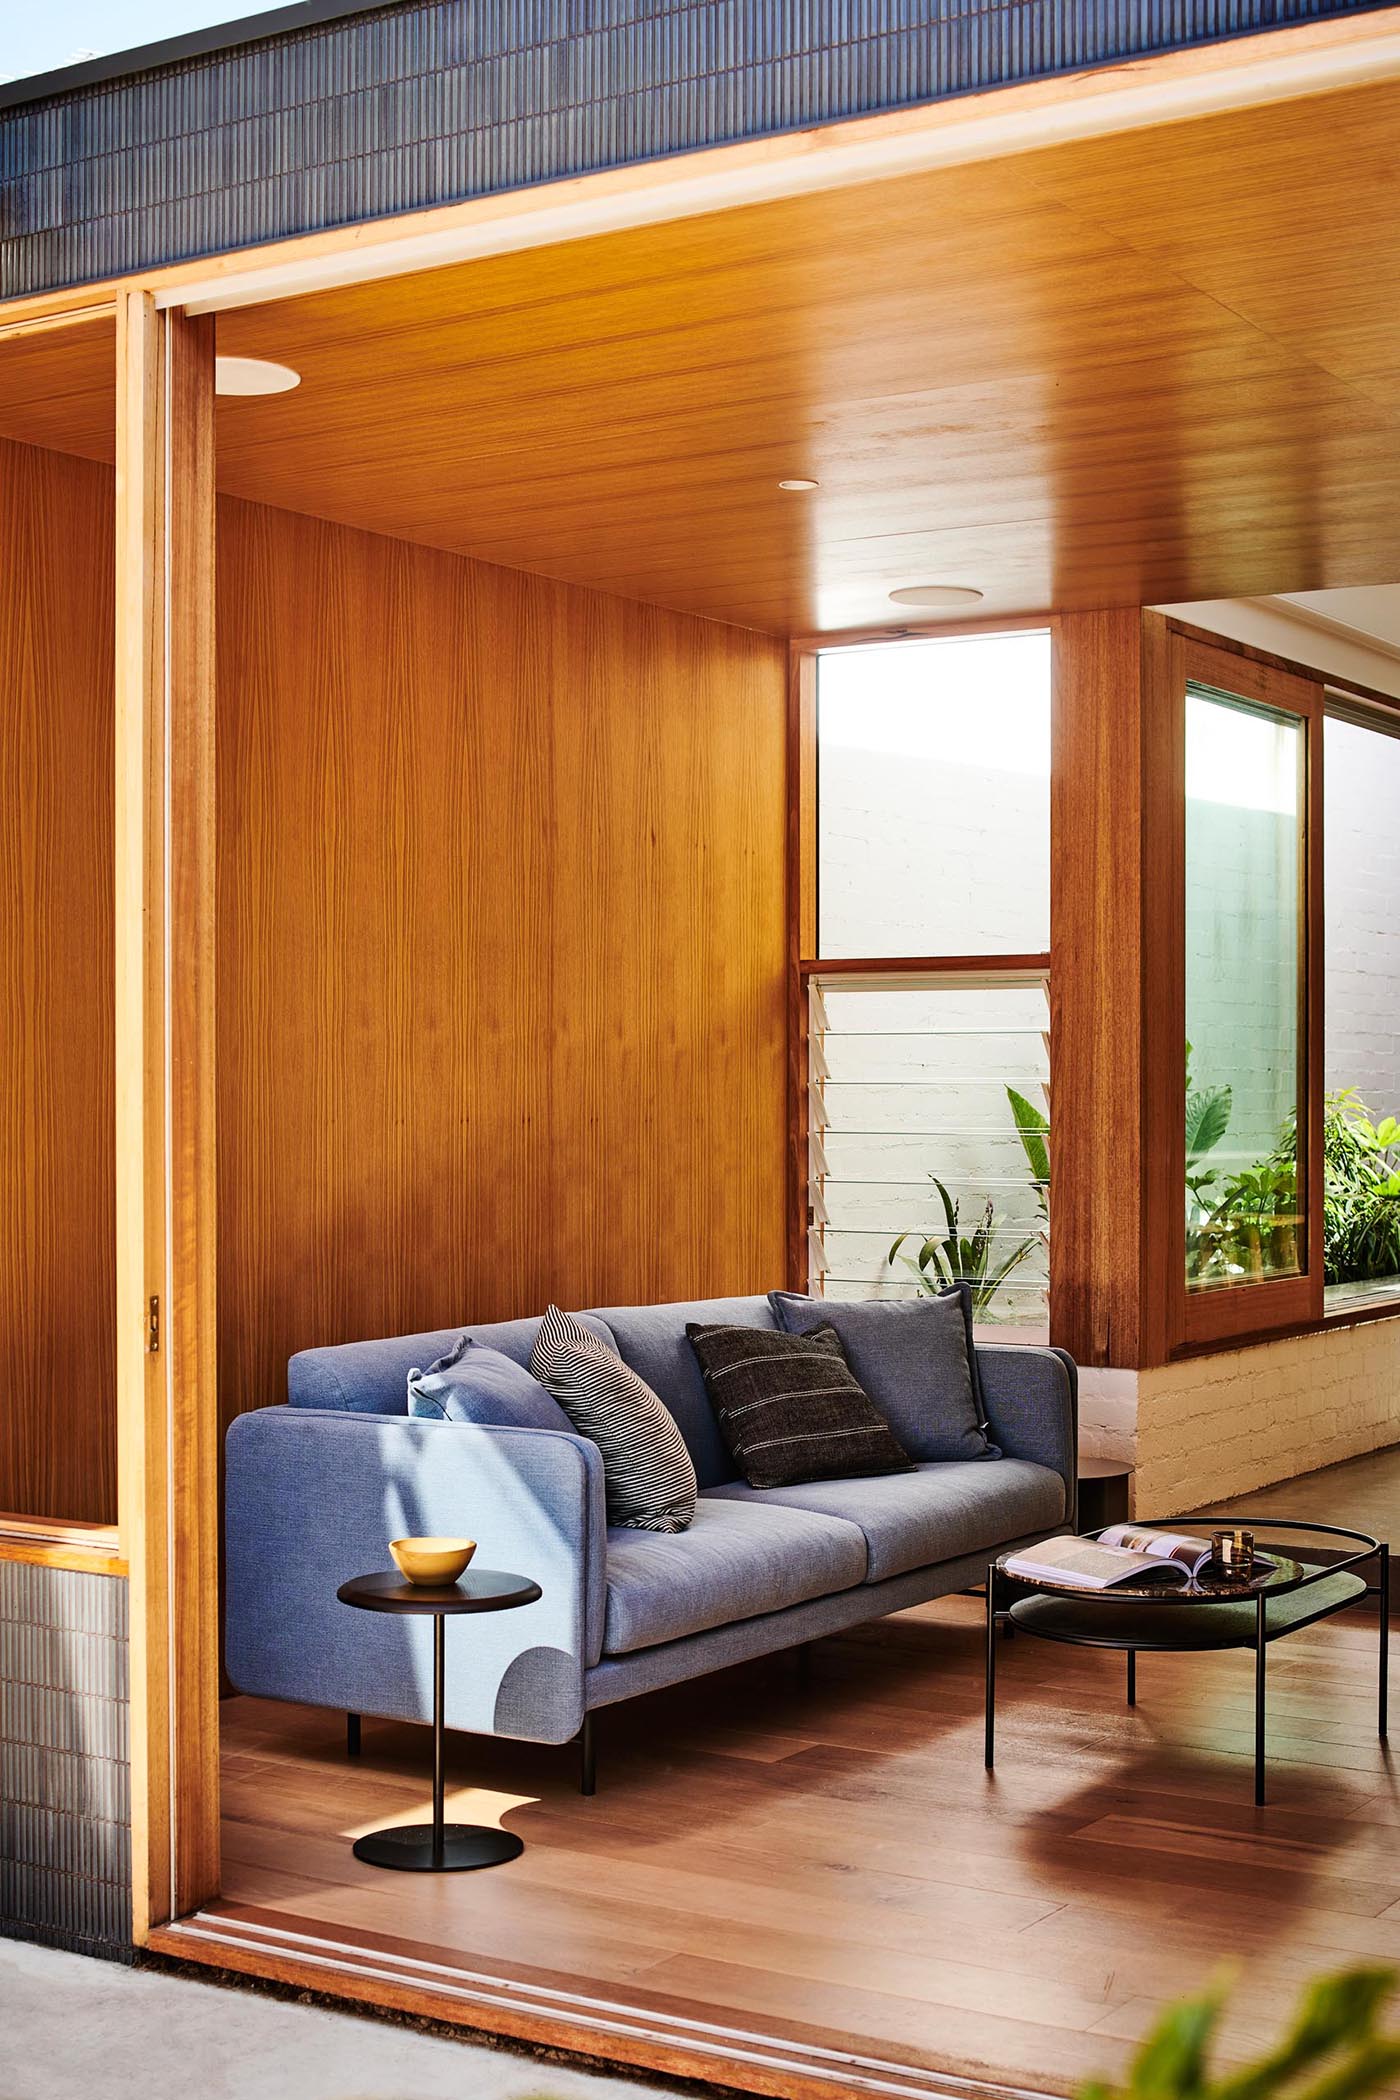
[648, 1475]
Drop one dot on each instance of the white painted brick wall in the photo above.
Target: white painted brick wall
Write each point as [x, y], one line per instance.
[1222, 1425]
[1361, 774]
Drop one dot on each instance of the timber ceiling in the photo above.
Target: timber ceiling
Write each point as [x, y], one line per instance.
[1154, 368]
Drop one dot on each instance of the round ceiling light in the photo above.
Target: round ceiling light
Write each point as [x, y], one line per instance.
[797, 483]
[253, 375]
[937, 597]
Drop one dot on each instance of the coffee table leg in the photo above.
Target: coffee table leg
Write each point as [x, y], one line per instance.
[1132, 1677]
[1260, 1646]
[991, 1693]
[1383, 1702]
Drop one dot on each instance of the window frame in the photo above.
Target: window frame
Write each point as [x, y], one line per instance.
[1166, 1327]
[1380, 714]
[804, 961]
[1186, 1321]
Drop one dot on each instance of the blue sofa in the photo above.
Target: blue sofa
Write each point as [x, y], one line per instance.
[316, 1489]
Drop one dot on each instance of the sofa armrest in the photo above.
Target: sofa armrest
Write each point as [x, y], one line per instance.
[1032, 1402]
[314, 1497]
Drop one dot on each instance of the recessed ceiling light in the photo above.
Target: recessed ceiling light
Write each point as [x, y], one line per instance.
[936, 597]
[799, 484]
[253, 375]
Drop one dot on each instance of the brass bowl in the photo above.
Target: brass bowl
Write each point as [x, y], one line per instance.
[433, 1563]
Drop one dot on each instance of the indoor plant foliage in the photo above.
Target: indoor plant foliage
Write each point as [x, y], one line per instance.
[1331, 2051]
[959, 1256]
[1361, 1193]
[1245, 1226]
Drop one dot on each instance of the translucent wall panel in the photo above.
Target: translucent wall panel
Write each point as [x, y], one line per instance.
[934, 797]
[1243, 988]
[915, 1093]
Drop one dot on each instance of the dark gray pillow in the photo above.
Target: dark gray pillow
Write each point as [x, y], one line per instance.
[789, 1408]
[915, 1359]
[475, 1383]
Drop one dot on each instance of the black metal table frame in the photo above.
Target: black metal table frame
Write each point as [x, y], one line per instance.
[437, 1847]
[1369, 1548]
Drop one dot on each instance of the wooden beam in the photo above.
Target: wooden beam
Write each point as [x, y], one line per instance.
[1096, 888]
[164, 902]
[802, 939]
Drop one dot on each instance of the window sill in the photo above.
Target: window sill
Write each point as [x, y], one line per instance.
[1352, 1314]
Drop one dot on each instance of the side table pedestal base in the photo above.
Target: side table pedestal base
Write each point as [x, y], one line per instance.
[410, 1848]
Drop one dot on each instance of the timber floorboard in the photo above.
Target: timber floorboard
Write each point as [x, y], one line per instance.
[829, 1863]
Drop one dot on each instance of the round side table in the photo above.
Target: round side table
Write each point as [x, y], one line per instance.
[438, 1847]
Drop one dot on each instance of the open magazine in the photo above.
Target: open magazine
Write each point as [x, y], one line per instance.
[1123, 1553]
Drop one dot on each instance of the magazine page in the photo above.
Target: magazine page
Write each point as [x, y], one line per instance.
[1191, 1553]
[1086, 1564]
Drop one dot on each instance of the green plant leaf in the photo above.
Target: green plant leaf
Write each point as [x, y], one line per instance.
[1033, 1129]
[1172, 2061]
[1337, 2012]
[1207, 1120]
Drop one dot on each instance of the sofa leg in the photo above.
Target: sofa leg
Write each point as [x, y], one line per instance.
[352, 1735]
[804, 1665]
[587, 1766]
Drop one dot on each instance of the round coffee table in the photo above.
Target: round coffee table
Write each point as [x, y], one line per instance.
[438, 1847]
[1206, 1612]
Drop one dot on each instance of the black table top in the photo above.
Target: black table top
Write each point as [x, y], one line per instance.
[480, 1589]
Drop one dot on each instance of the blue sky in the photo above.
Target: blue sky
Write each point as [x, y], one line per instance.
[34, 39]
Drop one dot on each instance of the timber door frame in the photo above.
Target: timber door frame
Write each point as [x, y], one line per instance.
[167, 1419]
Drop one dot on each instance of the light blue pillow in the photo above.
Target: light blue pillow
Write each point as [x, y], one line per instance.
[474, 1383]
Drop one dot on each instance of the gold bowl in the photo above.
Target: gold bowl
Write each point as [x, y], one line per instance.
[431, 1562]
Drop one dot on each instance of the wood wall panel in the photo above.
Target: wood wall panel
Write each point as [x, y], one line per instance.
[1097, 802]
[57, 1254]
[502, 943]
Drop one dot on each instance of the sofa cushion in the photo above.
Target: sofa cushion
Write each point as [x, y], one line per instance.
[790, 1409]
[737, 1561]
[652, 1339]
[935, 1513]
[647, 1473]
[472, 1383]
[370, 1378]
[915, 1359]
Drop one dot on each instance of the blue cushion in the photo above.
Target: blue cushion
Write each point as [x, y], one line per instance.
[652, 1339]
[915, 1359]
[736, 1561]
[370, 1378]
[476, 1384]
[937, 1512]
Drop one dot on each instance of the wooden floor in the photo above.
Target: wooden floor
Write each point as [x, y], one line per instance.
[829, 1862]
[1362, 1492]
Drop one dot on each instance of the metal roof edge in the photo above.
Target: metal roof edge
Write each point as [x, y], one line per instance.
[195, 43]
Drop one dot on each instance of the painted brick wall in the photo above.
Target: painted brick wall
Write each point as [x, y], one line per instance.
[1221, 1425]
[1361, 773]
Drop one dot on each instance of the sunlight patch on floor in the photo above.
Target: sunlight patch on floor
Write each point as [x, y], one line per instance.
[461, 1804]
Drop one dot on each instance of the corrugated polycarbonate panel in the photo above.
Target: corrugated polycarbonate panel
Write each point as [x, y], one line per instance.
[65, 1806]
[420, 104]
